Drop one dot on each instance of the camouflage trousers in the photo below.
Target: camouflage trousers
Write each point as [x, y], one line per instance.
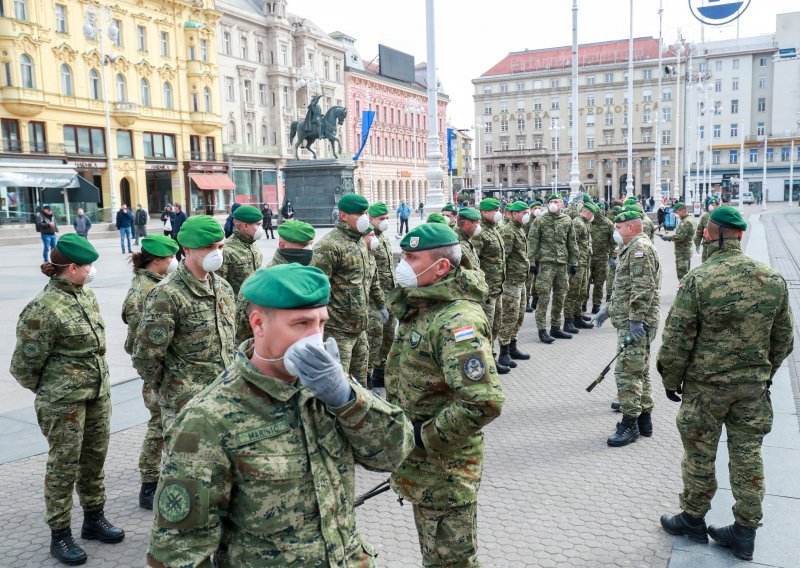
[380, 339]
[612, 270]
[598, 275]
[530, 287]
[153, 443]
[513, 312]
[551, 278]
[77, 434]
[576, 295]
[746, 412]
[632, 373]
[493, 308]
[354, 352]
[682, 264]
[448, 537]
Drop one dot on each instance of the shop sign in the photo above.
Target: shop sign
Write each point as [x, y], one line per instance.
[160, 166]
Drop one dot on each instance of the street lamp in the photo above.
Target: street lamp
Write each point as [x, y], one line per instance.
[678, 49]
[93, 30]
[629, 189]
[414, 107]
[307, 77]
[608, 190]
[434, 175]
[574, 170]
[478, 126]
[555, 129]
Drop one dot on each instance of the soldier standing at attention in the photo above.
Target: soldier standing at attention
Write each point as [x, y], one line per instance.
[612, 260]
[450, 212]
[682, 240]
[725, 337]
[530, 283]
[468, 227]
[342, 254]
[381, 344]
[441, 373]
[699, 239]
[185, 337]
[261, 467]
[492, 258]
[579, 282]
[61, 356]
[242, 256]
[602, 230]
[155, 260]
[378, 313]
[634, 311]
[552, 248]
[515, 242]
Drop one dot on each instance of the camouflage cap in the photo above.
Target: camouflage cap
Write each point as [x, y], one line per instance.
[247, 214]
[517, 206]
[451, 207]
[287, 287]
[378, 209]
[469, 213]
[353, 203]
[553, 196]
[159, 245]
[489, 204]
[628, 215]
[725, 216]
[200, 231]
[77, 249]
[296, 231]
[428, 236]
[436, 218]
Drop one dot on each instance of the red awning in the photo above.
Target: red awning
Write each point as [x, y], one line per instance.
[213, 181]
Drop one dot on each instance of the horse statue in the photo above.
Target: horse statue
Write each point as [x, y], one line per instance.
[329, 124]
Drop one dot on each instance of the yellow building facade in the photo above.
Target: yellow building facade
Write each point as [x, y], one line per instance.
[152, 62]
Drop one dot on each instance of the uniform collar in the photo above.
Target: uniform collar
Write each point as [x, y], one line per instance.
[150, 274]
[276, 388]
[458, 284]
[195, 286]
[461, 234]
[65, 285]
[242, 237]
[347, 230]
[731, 246]
[633, 240]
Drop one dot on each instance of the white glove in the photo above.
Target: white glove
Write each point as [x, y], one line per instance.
[384, 316]
[320, 371]
[600, 317]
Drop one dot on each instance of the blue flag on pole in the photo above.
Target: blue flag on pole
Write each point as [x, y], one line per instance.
[450, 136]
[367, 117]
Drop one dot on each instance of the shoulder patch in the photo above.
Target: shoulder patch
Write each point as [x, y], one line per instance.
[256, 434]
[175, 502]
[414, 338]
[187, 443]
[31, 349]
[638, 269]
[473, 367]
[157, 334]
[464, 333]
[34, 324]
[638, 254]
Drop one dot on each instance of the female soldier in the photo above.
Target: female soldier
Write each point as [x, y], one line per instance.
[149, 266]
[60, 356]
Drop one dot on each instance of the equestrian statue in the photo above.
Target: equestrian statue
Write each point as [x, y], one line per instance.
[316, 126]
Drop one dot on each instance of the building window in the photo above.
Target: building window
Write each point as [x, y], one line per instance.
[666, 137]
[164, 44]
[753, 155]
[770, 154]
[537, 123]
[701, 130]
[520, 87]
[503, 125]
[647, 74]
[229, 94]
[608, 136]
[647, 116]
[61, 18]
[124, 144]
[226, 43]
[718, 66]
[537, 104]
[608, 99]
[211, 151]
[762, 104]
[84, 140]
[590, 80]
[207, 99]
[263, 135]
[141, 38]
[590, 120]
[326, 70]
[487, 127]
[734, 130]
[718, 85]
[144, 92]
[762, 62]
[194, 148]
[248, 134]
[503, 108]
[608, 119]
[286, 97]
[785, 154]
[504, 146]
[118, 40]
[647, 96]
[487, 90]
[248, 91]
[95, 91]
[284, 55]
[762, 82]
[487, 148]
[666, 114]
[122, 88]
[520, 105]
[590, 102]
[554, 103]
[715, 157]
[554, 83]
[167, 93]
[735, 63]
[262, 95]
[37, 138]
[26, 71]
[66, 80]
[521, 126]
[703, 67]
[11, 141]
[243, 46]
[734, 106]
[733, 156]
[487, 108]
[231, 133]
[158, 145]
[504, 88]
[520, 144]
[195, 104]
[204, 50]
[608, 78]
[337, 73]
[666, 94]
[761, 129]
[21, 9]
[590, 142]
[260, 51]
[647, 134]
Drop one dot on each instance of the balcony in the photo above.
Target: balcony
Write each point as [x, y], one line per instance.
[248, 150]
[205, 122]
[8, 146]
[196, 68]
[200, 156]
[516, 153]
[22, 102]
[125, 112]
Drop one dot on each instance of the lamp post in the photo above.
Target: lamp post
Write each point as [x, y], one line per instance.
[608, 190]
[479, 191]
[574, 170]
[629, 188]
[434, 174]
[660, 100]
[678, 48]
[93, 29]
[415, 107]
[764, 191]
[554, 140]
[741, 165]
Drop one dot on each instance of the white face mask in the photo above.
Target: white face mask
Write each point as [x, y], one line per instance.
[373, 243]
[498, 217]
[383, 226]
[711, 208]
[526, 218]
[618, 238]
[553, 208]
[173, 265]
[213, 261]
[538, 212]
[362, 224]
[259, 233]
[590, 219]
[477, 231]
[406, 277]
[291, 352]
[90, 275]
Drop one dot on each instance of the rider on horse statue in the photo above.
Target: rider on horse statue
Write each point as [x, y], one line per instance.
[313, 123]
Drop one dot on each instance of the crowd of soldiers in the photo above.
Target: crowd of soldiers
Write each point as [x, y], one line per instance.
[265, 386]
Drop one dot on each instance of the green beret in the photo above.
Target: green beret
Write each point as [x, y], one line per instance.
[247, 214]
[536, 203]
[159, 245]
[489, 204]
[450, 207]
[436, 218]
[353, 203]
[724, 216]
[631, 201]
[200, 231]
[378, 209]
[553, 196]
[603, 205]
[428, 236]
[77, 249]
[587, 198]
[714, 200]
[517, 206]
[591, 207]
[287, 287]
[635, 205]
[616, 210]
[469, 213]
[628, 215]
[296, 231]
[678, 205]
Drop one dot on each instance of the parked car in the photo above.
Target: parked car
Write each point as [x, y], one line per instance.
[747, 197]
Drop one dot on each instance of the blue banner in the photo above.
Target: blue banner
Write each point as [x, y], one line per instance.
[367, 117]
[450, 149]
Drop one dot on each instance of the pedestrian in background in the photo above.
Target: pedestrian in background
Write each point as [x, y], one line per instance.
[682, 239]
[60, 355]
[140, 219]
[403, 213]
[166, 218]
[266, 212]
[228, 228]
[81, 224]
[421, 211]
[47, 227]
[287, 211]
[177, 221]
[124, 224]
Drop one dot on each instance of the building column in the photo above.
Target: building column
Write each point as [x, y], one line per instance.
[543, 171]
[510, 174]
[601, 179]
[496, 174]
[531, 180]
[615, 188]
[637, 175]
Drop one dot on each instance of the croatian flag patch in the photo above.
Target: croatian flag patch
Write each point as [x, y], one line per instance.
[463, 333]
[638, 254]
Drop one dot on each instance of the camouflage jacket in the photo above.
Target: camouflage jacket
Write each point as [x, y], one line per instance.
[440, 371]
[143, 281]
[61, 345]
[574, 208]
[469, 257]
[583, 238]
[683, 237]
[551, 238]
[492, 257]
[240, 259]
[342, 254]
[260, 473]
[383, 258]
[185, 337]
[603, 243]
[637, 284]
[698, 233]
[515, 242]
[730, 324]
[649, 228]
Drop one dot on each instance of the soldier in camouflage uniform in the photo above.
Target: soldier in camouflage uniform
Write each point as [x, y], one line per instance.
[342, 254]
[515, 241]
[60, 355]
[602, 230]
[467, 228]
[261, 467]
[382, 333]
[648, 227]
[614, 252]
[450, 212]
[150, 266]
[579, 282]
[242, 256]
[682, 240]
[725, 337]
[185, 337]
[378, 314]
[634, 310]
[530, 284]
[699, 240]
[552, 247]
[441, 373]
[491, 255]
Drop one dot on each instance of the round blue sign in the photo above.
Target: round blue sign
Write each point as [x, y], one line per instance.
[718, 12]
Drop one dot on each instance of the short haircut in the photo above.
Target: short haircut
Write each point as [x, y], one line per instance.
[450, 252]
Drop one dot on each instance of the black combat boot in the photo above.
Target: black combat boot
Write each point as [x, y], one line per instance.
[146, 494]
[645, 424]
[581, 323]
[616, 405]
[378, 378]
[694, 528]
[64, 548]
[741, 540]
[627, 432]
[595, 308]
[569, 327]
[529, 306]
[515, 353]
[505, 357]
[556, 332]
[501, 369]
[96, 527]
[545, 337]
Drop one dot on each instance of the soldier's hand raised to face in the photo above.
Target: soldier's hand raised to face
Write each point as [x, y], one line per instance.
[321, 372]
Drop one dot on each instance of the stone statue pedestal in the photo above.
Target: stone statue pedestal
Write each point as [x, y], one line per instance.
[315, 186]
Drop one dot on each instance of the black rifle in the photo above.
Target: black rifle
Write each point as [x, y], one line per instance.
[377, 490]
[602, 375]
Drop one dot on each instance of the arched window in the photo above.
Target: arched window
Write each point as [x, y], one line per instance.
[206, 99]
[248, 134]
[122, 88]
[167, 96]
[95, 90]
[263, 134]
[231, 132]
[144, 88]
[26, 71]
[66, 81]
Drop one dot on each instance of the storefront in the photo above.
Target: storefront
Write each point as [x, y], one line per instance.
[209, 189]
[22, 193]
[160, 176]
[256, 186]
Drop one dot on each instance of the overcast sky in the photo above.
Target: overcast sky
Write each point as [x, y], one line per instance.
[472, 36]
